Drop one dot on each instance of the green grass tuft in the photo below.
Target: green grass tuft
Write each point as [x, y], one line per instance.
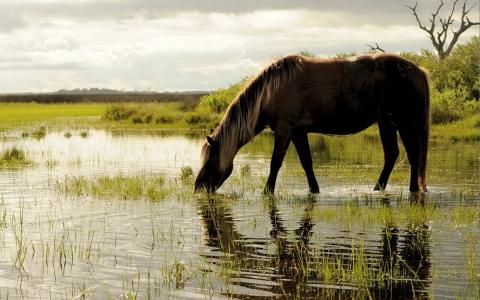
[117, 187]
[186, 173]
[13, 157]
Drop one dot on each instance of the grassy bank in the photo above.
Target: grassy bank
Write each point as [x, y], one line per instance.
[21, 115]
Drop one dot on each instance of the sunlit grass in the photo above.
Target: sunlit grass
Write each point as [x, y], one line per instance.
[13, 158]
[14, 115]
[467, 129]
[116, 187]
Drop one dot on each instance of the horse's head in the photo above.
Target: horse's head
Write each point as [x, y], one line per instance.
[212, 175]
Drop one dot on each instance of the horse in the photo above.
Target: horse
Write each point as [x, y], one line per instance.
[297, 95]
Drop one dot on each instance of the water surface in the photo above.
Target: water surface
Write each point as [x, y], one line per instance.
[239, 243]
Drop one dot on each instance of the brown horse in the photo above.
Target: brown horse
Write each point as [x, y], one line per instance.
[297, 95]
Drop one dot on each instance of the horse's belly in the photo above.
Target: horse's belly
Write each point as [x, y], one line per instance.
[340, 123]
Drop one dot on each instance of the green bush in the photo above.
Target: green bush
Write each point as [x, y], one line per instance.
[455, 81]
[196, 118]
[118, 112]
[142, 118]
[218, 101]
[165, 119]
[460, 70]
[446, 108]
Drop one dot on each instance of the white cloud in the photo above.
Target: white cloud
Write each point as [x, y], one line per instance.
[188, 49]
[10, 21]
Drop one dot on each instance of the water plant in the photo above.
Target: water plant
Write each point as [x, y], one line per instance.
[13, 157]
[186, 173]
[119, 186]
[39, 133]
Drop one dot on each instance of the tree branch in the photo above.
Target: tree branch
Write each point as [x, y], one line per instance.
[465, 23]
[376, 48]
[439, 37]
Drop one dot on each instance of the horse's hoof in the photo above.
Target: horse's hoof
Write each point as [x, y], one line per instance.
[315, 190]
[377, 187]
[414, 190]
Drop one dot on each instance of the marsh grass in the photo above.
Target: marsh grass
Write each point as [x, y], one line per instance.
[13, 158]
[119, 186]
[172, 114]
[84, 134]
[353, 212]
[39, 133]
[186, 174]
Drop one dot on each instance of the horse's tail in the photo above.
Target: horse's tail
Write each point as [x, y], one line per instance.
[424, 131]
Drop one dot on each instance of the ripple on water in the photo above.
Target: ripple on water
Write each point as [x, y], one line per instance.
[240, 244]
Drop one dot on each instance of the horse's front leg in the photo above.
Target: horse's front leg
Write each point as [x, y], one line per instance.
[300, 140]
[282, 140]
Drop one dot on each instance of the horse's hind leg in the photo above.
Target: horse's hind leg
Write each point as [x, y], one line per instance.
[282, 140]
[388, 135]
[412, 146]
[300, 140]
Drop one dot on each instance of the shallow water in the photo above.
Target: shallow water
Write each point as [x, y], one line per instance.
[239, 243]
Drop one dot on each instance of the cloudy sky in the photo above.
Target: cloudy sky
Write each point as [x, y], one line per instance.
[47, 45]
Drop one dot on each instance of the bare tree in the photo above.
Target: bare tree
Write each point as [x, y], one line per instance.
[375, 48]
[439, 37]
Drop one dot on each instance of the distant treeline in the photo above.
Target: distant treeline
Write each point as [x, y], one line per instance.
[189, 97]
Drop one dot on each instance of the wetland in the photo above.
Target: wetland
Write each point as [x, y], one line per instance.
[111, 214]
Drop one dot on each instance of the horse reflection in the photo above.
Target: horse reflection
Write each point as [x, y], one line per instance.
[289, 270]
[407, 263]
[406, 258]
[285, 266]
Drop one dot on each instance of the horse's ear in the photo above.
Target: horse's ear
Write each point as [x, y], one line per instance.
[210, 141]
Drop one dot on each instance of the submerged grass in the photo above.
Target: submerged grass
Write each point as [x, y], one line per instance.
[119, 187]
[186, 174]
[13, 158]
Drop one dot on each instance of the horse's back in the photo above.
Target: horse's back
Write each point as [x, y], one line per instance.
[332, 96]
[344, 96]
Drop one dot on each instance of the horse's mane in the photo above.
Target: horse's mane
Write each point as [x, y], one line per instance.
[237, 126]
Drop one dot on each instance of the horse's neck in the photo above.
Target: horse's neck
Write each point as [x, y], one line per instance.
[238, 127]
[230, 142]
[229, 146]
